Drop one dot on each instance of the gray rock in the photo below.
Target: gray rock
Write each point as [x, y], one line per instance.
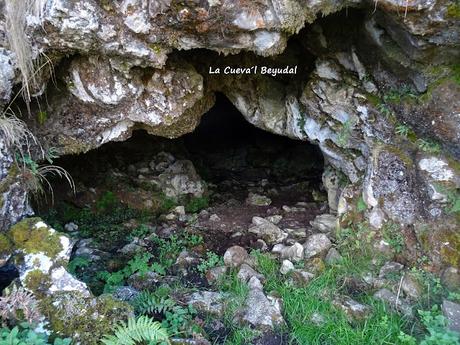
[209, 302]
[268, 231]
[450, 278]
[146, 281]
[317, 245]
[412, 287]
[260, 311]
[286, 267]
[181, 179]
[451, 312]
[71, 227]
[187, 259]
[395, 302]
[235, 256]
[246, 272]
[354, 310]
[324, 223]
[333, 256]
[214, 274]
[125, 293]
[292, 253]
[258, 200]
[390, 267]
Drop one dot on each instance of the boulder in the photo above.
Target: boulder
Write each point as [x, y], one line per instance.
[208, 302]
[260, 311]
[317, 245]
[235, 256]
[324, 223]
[451, 312]
[267, 231]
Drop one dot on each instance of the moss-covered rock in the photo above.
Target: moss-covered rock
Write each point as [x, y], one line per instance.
[84, 319]
[33, 236]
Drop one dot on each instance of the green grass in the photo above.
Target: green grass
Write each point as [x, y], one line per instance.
[383, 327]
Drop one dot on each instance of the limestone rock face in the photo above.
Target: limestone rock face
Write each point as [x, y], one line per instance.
[65, 301]
[14, 204]
[125, 65]
[103, 103]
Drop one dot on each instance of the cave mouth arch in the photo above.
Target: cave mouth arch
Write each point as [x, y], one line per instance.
[223, 147]
[246, 173]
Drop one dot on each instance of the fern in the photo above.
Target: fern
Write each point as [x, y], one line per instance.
[147, 303]
[138, 331]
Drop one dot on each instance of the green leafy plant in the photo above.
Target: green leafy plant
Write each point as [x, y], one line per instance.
[402, 130]
[392, 234]
[108, 200]
[24, 335]
[141, 330]
[148, 303]
[197, 204]
[212, 260]
[361, 205]
[345, 132]
[139, 264]
[140, 232]
[78, 262]
[428, 146]
[436, 325]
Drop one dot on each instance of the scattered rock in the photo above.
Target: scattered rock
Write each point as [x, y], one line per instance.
[301, 277]
[298, 233]
[235, 256]
[450, 278]
[275, 219]
[317, 245]
[451, 312]
[324, 223]
[71, 227]
[246, 272]
[261, 245]
[390, 267]
[208, 302]
[412, 287]
[398, 304]
[258, 200]
[354, 310]
[214, 218]
[187, 259]
[333, 257]
[146, 281]
[292, 253]
[260, 311]
[268, 231]
[286, 267]
[132, 248]
[125, 293]
[215, 274]
[181, 179]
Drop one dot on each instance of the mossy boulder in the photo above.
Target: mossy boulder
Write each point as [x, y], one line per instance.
[84, 319]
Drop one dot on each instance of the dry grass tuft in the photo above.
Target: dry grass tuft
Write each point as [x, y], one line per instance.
[16, 13]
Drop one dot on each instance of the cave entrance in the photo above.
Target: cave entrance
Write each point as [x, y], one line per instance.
[231, 170]
[231, 156]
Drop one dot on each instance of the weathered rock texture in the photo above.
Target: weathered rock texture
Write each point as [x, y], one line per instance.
[374, 87]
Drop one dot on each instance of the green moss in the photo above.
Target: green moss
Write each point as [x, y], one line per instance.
[85, 319]
[25, 236]
[453, 10]
[157, 48]
[450, 251]
[37, 281]
[6, 247]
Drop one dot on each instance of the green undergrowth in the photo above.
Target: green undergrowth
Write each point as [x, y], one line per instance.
[383, 327]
